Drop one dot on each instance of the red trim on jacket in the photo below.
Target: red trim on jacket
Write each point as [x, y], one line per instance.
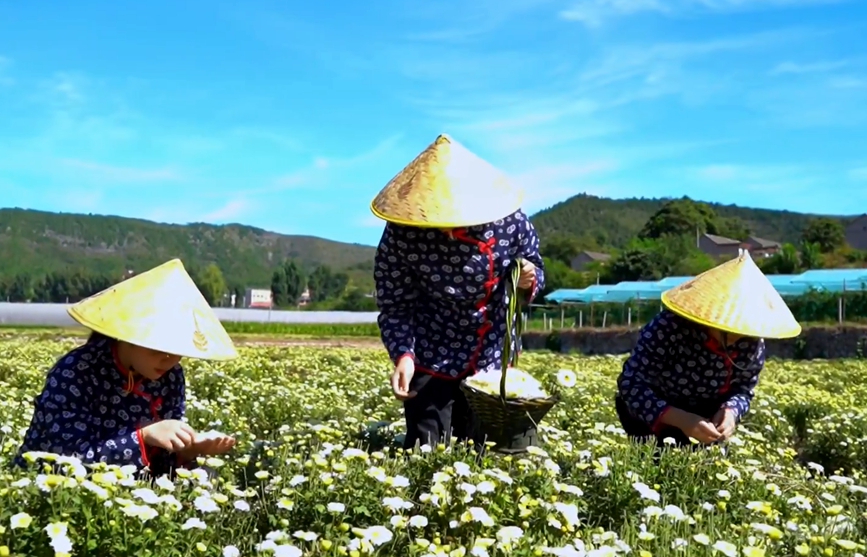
[486, 248]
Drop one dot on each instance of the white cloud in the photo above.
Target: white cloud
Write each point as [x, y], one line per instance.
[808, 67]
[754, 178]
[123, 174]
[546, 185]
[595, 13]
[369, 220]
[282, 140]
[231, 210]
[321, 168]
[848, 82]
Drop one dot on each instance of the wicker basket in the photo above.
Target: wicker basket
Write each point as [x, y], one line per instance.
[510, 424]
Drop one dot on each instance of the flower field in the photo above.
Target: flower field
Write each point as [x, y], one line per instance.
[792, 481]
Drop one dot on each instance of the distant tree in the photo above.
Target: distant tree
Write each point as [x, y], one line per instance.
[811, 256]
[678, 218]
[560, 275]
[657, 259]
[693, 263]
[239, 293]
[632, 264]
[729, 227]
[212, 284]
[295, 281]
[325, 284]
[786, 262]
[279, 292]
[21, 288]
[827, 233]
[287, 284]
[560, 247]
[355, 300]
[685, 217]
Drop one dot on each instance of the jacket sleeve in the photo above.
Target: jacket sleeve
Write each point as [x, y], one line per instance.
[160, 460]
[529, 249]
[744, 388]
[64, 421]
[647, 361]
[396, 296]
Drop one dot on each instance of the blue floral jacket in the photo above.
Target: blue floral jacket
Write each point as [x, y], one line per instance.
[442, 297]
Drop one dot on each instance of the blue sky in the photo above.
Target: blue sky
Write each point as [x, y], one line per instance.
[291, 116]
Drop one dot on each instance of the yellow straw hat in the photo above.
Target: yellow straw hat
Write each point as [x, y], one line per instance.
[447, 186]
[734, 297]
[161, 309]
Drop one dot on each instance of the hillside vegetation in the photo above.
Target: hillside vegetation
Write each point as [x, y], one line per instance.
[57, 256]
[612, 223]
[36, 242]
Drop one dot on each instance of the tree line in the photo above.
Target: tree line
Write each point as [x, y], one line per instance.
[667, 246]
[328, 289]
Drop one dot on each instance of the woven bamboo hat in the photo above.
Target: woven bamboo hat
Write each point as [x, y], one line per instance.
[447, 186]
[734, 297]
[161, 309]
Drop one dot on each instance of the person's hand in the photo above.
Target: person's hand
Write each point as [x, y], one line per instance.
[171, 435]
[700, 429]
[528, 275]
[725, 421]
[401, 377]
[213, 443]
[208, 444]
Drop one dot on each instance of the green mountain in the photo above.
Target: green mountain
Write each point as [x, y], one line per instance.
[41, 242]
[605, 223]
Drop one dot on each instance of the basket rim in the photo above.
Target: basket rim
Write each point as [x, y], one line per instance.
[551, 399]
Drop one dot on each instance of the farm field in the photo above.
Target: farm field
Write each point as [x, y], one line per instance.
[792, 482]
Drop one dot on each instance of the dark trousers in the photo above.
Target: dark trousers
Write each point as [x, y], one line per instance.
[438, 413]
[639, 431]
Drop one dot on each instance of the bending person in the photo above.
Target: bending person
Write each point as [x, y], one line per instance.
[120, 397]
[454, 230]
[695, 367]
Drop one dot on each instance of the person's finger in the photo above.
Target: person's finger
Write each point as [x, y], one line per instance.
[175, 444]
[185, 437]
[187, 428]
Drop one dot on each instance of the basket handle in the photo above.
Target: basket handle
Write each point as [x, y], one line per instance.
[513, 316]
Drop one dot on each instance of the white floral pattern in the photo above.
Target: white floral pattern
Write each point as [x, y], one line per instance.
[86, 410]
[442, 298]
[675, 363]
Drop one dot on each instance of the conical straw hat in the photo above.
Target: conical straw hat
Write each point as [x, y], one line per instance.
[735, 297]
[447, 186]
[161, 309]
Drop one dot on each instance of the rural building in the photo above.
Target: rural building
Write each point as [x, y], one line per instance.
[856, 233]
[580, 261]
[257, 298]
[720, 246]
[760, 247]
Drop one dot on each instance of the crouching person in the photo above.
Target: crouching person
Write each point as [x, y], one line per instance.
[695, 367]
[120, 397]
